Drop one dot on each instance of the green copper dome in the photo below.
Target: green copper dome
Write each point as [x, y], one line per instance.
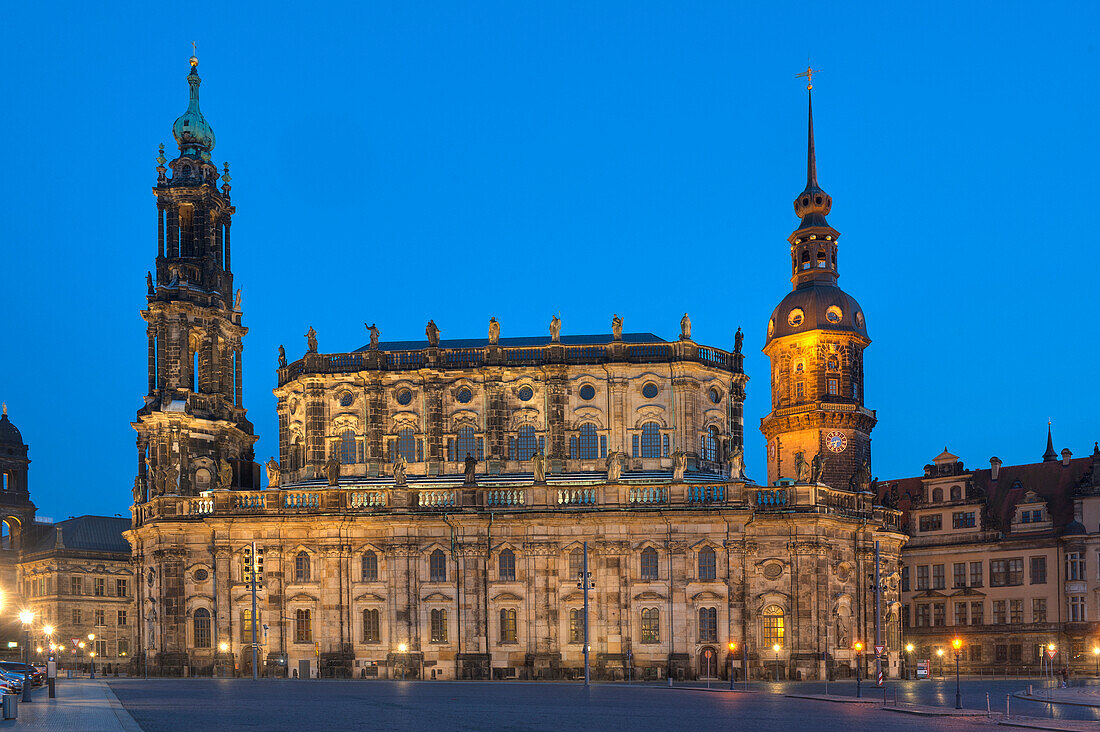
[191, 130]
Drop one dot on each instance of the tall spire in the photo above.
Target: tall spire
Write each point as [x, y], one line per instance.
[811, 154]
[193, 133]
[1049, 456]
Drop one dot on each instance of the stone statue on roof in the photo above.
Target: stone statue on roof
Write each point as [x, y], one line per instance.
[282, 356]
[861, 479]
[494, 332]
[332, 470]
[399, 470]
[149, 281]
[237, 301]
[617, 327]
[311, 340]
[614, 464]
[432, 331]
[817, 466]
[555, 330]
[374, 333]
[737, 463]
[225, 474]
[685, 328]
[679, 466]
[471, 466]
[801, 468]
[539, 461]
[274, 472]
[738, 341]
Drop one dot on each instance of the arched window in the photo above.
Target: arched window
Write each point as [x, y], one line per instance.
[772, 626]
[576, 626]
[506, 566]
[465, 443]
[406, 444]
[832, 364]
[527, 443]
[576, 563]
[588, 442]
[805, 260]
[303, 626]
[821, 258]
[708, 625]
[301, 567]
[937, 495]
[508, 625]
[649, 563]
[651, 625]
[439, 626]
[202, 628]
[707, 563]
[956, 493]
[348, 454]
[370, 566]
[437, 566]
[710, 444]
[371, 632]
[651, 440]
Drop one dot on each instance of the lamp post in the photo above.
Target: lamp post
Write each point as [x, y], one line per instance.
[26, 617]
[402, 648]
[48, 632]
[79, 651]
[956, 645]
[776, 649]
[908, 662]
[91, 651]
[939, 655]
[733, 647]
[859, 669]
[1096, 655]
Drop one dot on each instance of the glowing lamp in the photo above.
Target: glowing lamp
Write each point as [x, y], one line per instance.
[956, 643]
[908, 647]
[48, 630]
[858, 646]
[223, 646]
[733, 647]
[401, 647]
[26, 617]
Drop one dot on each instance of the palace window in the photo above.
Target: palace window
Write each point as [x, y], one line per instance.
[576, 626]
[1015, 611]
[937, 577]
[506, 566]
[1038, 610]
[931, 522]
[832, 364]
[247, 626]
[651, 625]
[1038, 570]
[465, 443]
[123, 646]
[1000, 614]
[958, 570]
[707, 563]
[708, 625]
[833, 386]
[439, 626]
[976, 574]
[772, 626]
[121, 588]
[371, 632]
[437, 566]
[924, 616]
[962, 519]
[301, 567]
[1006, 572]
[649, 563]
[406, 444]
[303, 626]
[1077, 609]
[76, 585]
[960, 613]
[76, 616]
[977, 613]
[202, 628]
[348, 453]
[800, 390]
[1075, 566]
[710, 444]
[122, 617]
[100, 648]
[526, 443]
[922, 577]
[904, 579]
[99, 587]
[939, 613]
[369, 567]
[587, 443]
[508, 625]
[937, 495]
[576, 563]
[100, 617]
[651, 440]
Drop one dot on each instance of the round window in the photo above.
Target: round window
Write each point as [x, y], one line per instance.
[771, 327]
[833, 314]
[464, 395]
[404, 396]
[525, 394]
[715, 396]
[649, 390]
[587, 392]
[772, 570]
[859, 319]
[346, 399]
[201, 575]
[796, 317]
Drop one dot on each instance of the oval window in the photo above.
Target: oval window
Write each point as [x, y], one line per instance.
[201, 575]
[464, 395]
[525, 394]
[587, 392]
[649, 390]
[346, 399]
[715, 396]
[833, 314]
[404, 397]
[796, 317]
[771, 327]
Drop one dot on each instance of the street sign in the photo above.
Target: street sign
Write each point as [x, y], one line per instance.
[1051, 653]
[923, 669]
[879, 650]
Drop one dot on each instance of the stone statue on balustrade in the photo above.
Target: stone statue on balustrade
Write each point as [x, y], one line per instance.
[282, 357]
[311, 340]
[471, 466]
[273, 473]
[685, 328]
[555, 329]
[737, 463]
[332, 470]
[374, 333]
[172, 480]
[861, 479]
[539, 465]
[738, 341]
[817, 467]
[617, 327]
[614, 463]
[139, 490]
[159, 478]
[225, 475]
[679, 466]
[494, 331]
[399, 466]
[432, 331]
[801, 468]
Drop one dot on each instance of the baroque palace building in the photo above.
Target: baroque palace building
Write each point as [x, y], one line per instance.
[432, 499]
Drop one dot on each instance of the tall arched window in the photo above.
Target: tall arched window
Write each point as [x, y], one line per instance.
[588, 442]
[202, 628]
[348, 454]
[576, 626]
[956, 493]
[708, 562]
[303, 626]
[649, 563]
[506, 566]
[439, 626]
[576, 563]
[772, 626]
[708, 625]
[508, 625]
[370, 566]
[651, 625]
[465, 443]
[651, 440]
[301, 567]
[406, 444]
[710, 444]
[437, 566]
[527, 443]
[371, 632]
[937, 495]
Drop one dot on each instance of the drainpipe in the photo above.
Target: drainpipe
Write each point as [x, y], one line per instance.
[485, 587]
[458, 595]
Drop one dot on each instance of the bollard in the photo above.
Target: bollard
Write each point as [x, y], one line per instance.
[1008, 705]
[49, 683]
[988, 709]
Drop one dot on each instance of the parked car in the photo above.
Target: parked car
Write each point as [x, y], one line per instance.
[14, 667]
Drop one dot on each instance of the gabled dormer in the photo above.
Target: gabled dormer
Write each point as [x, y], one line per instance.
[1031, 514]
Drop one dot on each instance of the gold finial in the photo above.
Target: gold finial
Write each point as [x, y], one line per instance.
[809, 74]
[5, 409]
[194, 54]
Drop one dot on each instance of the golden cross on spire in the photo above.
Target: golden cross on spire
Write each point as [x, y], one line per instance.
[809, 75]
[194, 53]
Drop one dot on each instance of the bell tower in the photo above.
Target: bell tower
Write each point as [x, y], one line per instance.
[816, 337]
[193, 434]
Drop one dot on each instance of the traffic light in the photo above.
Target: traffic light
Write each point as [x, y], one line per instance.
[259, 565]
[246, 565]
[253, 563]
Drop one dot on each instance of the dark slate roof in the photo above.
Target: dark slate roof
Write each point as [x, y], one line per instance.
[85, 533]
[1051, 481]
[9, 435]
[578, 340]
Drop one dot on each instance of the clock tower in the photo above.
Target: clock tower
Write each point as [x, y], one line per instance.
[816, 337]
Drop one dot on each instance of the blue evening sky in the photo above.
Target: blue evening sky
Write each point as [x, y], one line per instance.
[395, 162]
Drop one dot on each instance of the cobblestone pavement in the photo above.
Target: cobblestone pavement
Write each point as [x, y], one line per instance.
[80, 704]
[269, 704]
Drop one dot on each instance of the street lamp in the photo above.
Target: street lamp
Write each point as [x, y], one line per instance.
[939, 653]
[91, 654]
[908, 661]
[223, 646]
[859, 669]
[733, 647]
[1096, 655]
[956, 645]
[776, 649]
[26, 617]
[402, 649]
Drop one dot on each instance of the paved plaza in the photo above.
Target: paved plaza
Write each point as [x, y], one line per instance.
[269, 704]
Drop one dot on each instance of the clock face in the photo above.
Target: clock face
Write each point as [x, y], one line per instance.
[836, 441]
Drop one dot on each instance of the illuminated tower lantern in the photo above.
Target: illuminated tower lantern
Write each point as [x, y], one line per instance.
[816, 337]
